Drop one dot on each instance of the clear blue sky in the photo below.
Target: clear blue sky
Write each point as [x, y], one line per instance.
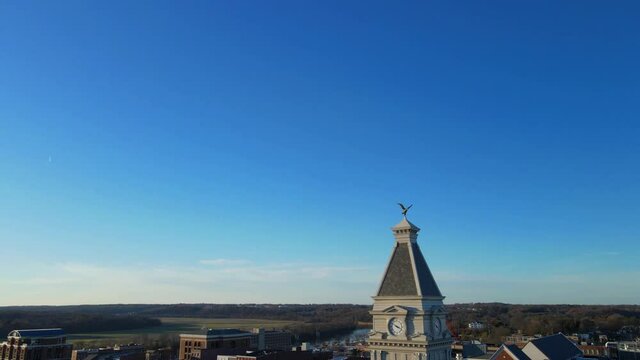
[254, 151]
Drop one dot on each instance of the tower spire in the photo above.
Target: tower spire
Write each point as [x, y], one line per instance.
[407, 272]
[409, 318]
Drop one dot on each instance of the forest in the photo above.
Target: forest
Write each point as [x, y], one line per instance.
[505, 319]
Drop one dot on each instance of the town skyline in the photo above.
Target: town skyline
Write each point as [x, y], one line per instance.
[212, 152]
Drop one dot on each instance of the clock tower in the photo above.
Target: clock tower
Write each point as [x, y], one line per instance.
[409, 319]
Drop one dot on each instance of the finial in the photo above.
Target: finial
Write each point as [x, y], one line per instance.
[405, 209]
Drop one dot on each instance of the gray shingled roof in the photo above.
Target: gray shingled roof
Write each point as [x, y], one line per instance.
[400, 279]
[427, 282]
[472, 350]
[557, 347]
[515, 350]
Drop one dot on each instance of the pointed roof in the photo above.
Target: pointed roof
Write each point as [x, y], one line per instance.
[556, 347]
[407, 273]
[405, 224]
[515, 352]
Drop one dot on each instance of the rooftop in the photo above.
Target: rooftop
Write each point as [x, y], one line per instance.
[405, 224]
[408, 274]
[37, 333]
[557, 347]
[515, 350]
[222, 332]
[512, 349]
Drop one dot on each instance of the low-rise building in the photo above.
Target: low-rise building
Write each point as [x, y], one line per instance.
[159, 354]
[305, 346]
[285, 355]
[628, 350]
[270, 339]
[219, 354]
[593, 351]
[623, 350]
[118, 352]
[476, 326]
[192, 345]
[519, 338]
[473, 349]
[553, 347]
[579, 338]
[509, 352]
[36, 344]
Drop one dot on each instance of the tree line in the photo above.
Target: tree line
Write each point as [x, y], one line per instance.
[504, 319]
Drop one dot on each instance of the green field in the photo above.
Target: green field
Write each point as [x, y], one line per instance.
[171, 327]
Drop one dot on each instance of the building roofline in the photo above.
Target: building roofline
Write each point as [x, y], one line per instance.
[37, 333]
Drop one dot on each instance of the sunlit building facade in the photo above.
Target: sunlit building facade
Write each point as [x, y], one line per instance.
[36, 344]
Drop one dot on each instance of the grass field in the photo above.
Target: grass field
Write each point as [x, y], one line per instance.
[172, 327]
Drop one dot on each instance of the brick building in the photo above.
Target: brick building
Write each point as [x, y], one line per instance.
[191, 345]
[36, 344]
[509, 352]
[593, 351]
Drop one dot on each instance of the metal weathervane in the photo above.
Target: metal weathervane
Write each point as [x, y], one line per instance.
[405, 209]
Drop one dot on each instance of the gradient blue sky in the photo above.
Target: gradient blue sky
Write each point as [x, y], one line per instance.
[254, 151]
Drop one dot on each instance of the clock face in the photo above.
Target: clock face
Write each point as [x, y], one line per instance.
[396, 326]
[437, 326]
